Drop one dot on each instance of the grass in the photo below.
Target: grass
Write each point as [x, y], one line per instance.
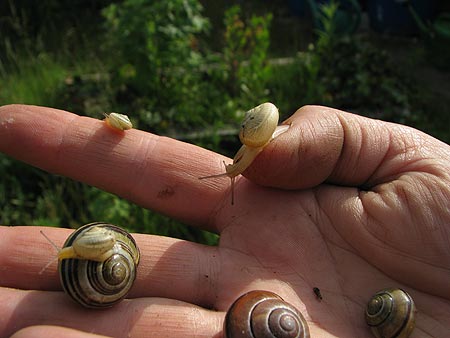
[33, 197]
[32, 81]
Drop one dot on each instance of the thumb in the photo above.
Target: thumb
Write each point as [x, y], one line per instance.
[332, 146]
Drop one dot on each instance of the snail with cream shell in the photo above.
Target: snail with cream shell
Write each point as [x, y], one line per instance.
[118, 122]
[97, 265]
[259, 127]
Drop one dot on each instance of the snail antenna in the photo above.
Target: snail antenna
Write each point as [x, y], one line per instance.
[55, 258]
[50, 241]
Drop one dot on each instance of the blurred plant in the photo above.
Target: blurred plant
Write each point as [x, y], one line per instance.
[355, 74]
[163, 77]
[158, 74]
[158, 71]
[155, 49]
[87, 94]
[32, 80]
[245, 56]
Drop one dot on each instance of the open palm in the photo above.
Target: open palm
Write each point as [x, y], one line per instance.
[343, 203]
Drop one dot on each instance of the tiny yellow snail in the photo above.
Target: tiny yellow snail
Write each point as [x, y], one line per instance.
[391, 313]
[97, 264]
[118, 121]
[264, 314]
[257, 130]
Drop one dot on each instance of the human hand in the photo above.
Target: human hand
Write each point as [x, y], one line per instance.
[344, 203]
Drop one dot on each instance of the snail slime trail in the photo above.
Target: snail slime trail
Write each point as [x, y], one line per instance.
[258, 128]
[98, 264]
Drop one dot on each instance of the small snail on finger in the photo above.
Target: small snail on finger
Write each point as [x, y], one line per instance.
[97, 265]
[263, 314]
[118, 121]
[257, 130]
[391, 313]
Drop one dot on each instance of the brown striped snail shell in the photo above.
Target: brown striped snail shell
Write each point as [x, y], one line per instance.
[391, 313]
[263, 314]
[97, 265]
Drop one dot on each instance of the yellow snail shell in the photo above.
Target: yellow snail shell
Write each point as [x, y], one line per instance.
[97, 265]
[257, 130]
[118, 121]
[263, 314]
[391, 313]
[259, 125]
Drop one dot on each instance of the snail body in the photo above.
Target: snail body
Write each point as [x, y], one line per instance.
[256, 132]
[258, 128]
[97, 265]
[118, 121]
[391, 313]
[263, 314]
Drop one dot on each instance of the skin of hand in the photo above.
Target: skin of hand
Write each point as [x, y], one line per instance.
[340, 202]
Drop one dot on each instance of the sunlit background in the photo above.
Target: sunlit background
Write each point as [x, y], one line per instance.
[189, 69]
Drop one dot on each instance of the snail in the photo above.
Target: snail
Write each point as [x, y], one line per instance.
[118, 121]
[390, 313]
[257, 130]
[259, 314]
[97, 264]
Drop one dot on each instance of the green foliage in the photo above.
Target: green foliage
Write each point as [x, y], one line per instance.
[160, 73]
[50, 26]
[355, 75]
[86, 94]
[155, 48]
[346, 72]
[157, 72]
[153, 43]
[245, 56]
[23, 81]
[156, 67]
[327, 34]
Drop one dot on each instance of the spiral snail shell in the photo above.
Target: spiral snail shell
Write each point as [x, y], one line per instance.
[258, 128]
[97, 265]
[118, 121]
[391, 313]
[263, 314]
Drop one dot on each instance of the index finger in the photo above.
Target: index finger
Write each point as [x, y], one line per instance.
[152, 171]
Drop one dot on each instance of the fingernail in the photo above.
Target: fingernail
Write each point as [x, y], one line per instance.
[280, 130]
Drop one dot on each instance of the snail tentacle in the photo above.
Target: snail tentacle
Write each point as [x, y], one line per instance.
[258, 128]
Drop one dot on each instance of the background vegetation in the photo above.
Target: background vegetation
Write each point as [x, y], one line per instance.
[189, 72]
